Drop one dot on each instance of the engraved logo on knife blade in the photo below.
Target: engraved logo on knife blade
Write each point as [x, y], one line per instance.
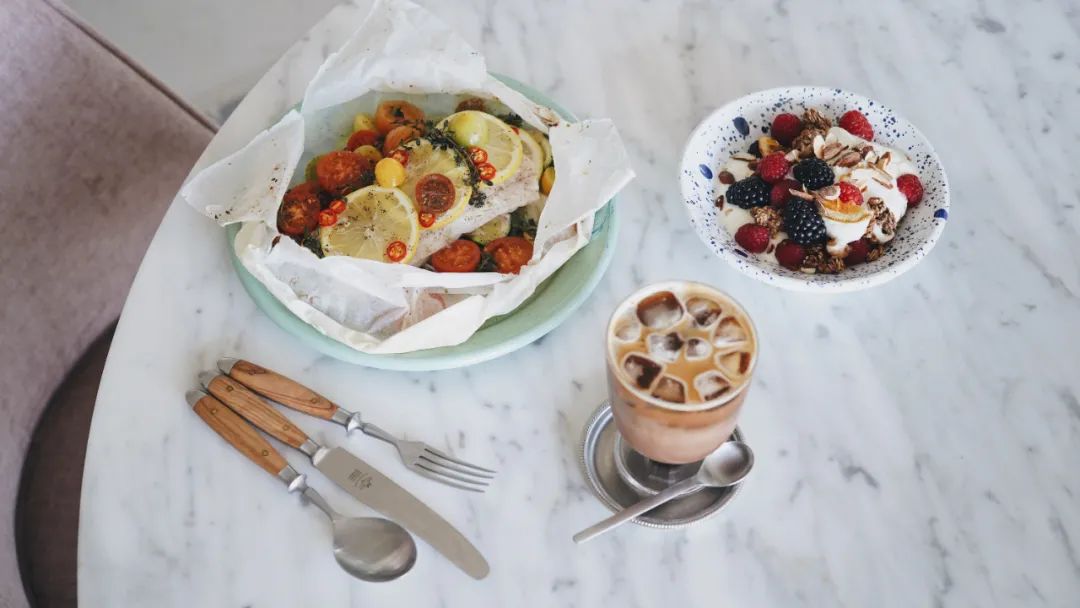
[360, 479]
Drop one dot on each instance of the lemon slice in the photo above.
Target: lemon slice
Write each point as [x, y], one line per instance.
[425, 158]
[545, 145]
[532, 149]
[503, 146]
[375, 224]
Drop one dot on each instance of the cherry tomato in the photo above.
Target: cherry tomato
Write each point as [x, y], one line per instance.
[400, 155]
[327, 218]
[510, 253]
[396, 112]
[487, 171]
[426, 220]
[398, 136]
[395, 251]
[434, 193]
[363, 138]
[299, 210]
[478, 155]
[341, 171]
[337, 206]
[459, 256]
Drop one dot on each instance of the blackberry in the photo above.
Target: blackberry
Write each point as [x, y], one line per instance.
[802, 222]
[755, 149]
[814, 173]
[750, 192]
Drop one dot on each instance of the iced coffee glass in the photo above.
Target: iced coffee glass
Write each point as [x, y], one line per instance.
[680, 356]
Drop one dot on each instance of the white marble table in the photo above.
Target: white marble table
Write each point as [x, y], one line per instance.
[918, 444]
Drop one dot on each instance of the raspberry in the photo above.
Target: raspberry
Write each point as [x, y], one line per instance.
[850, 193]
[785, 128]
[790, 255]
[856, 253]
[912, 188]
[752, 237]
[855, 123]
[780, 194]
[773, 167]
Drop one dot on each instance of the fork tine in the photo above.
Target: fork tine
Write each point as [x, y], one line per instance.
[441, 468]
[439, 477]
[464, 467]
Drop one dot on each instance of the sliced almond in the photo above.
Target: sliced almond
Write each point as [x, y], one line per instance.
[850, 159]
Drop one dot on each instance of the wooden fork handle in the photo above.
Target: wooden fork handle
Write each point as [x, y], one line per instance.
[276, 387]
[240, 434]
[256, 411]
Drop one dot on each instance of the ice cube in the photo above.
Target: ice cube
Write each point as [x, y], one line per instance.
[729, 331]
[628, 330]
[704, 311]
[659, 310]
[696, 348]
[735, 364]
[665, 347]
[711, 385]
[641, 369]
[670, 389]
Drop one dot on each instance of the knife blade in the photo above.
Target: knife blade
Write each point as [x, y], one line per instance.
[379, 492]
[358, 478]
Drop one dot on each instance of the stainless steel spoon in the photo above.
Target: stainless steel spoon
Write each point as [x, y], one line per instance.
[369, 548]
[728, 465]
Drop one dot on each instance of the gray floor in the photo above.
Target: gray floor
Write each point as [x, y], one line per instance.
[210, 51]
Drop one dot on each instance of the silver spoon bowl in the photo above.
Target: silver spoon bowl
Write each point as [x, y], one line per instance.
[727, 465]
[370, 548]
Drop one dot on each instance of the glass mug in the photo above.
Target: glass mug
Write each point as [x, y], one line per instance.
[680, 356]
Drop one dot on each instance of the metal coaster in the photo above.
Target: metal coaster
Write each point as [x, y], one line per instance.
[598, 461]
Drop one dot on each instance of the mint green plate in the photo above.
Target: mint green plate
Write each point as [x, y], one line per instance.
[552, 302]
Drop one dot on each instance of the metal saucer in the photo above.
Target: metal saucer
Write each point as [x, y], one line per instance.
[600, 464]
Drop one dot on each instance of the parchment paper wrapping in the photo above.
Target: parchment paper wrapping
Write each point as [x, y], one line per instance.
[402, 51]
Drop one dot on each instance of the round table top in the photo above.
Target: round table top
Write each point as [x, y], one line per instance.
[916, 443]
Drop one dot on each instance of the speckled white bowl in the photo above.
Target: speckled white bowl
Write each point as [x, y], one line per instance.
[735, 126]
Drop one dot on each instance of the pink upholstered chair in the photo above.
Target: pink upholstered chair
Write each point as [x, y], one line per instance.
[93, 150]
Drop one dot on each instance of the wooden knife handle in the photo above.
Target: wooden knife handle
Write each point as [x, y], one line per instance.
[240, 434]
[256, 411]
[276, 387]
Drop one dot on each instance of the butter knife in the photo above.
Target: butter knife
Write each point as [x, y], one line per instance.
[355, 476]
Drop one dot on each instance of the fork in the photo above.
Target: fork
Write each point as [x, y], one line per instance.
[418, 456]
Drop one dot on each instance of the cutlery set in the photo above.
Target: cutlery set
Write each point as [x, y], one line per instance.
[232, 404]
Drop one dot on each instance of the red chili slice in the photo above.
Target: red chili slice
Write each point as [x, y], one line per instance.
[434, 193]
[478, 155]
[327, 218]
[337, 205]
[395, 251]
[487, 171]
[426, 219]
[401, 156]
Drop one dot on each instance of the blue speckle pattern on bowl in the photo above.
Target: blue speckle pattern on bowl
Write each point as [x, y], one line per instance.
[735, 126]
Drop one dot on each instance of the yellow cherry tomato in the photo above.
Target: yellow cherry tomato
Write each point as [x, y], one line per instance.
[389, 173]
[363, 122]
[369, 152]
[547, 180]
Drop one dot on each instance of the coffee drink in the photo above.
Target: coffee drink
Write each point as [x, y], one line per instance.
[679, 358]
